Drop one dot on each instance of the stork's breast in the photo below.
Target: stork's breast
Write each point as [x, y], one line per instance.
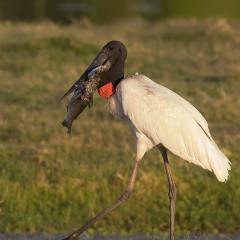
[115, 107]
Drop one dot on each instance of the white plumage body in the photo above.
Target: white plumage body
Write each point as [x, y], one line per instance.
[157, 115]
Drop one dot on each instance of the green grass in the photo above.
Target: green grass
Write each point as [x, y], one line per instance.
[52, 183]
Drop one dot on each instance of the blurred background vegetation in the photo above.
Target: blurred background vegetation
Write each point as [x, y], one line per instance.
[52, 183]
[106, 11]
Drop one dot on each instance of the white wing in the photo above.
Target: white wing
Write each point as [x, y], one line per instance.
[164, 117]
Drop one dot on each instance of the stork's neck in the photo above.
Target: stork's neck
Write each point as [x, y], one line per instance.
[114, 75]
[116, 82]
[107, 90]
[111, 79]
[115, 106]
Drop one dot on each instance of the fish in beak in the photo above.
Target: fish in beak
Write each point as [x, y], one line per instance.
[107, 67]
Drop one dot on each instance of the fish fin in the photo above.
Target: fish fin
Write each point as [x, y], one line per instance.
[73, 88]
[69, 132]
[69, 91]
[78, 93]
[90, 103]
[68, 126]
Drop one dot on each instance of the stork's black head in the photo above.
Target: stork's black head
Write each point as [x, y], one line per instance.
[114, 54]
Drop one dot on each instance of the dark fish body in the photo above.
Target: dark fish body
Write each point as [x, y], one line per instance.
[82, 97]
[73, 111]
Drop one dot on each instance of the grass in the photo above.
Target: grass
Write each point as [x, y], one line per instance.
[52, 183]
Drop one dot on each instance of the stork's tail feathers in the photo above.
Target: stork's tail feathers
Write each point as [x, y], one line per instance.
[218, 162]
[205, 153]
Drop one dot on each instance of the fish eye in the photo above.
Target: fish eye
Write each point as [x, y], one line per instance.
[110, 47]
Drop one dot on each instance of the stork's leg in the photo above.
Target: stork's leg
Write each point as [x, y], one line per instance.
[123, 198]
[172, 191]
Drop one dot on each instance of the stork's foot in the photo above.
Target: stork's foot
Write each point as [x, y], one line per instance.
[73, 236]
[125, 196]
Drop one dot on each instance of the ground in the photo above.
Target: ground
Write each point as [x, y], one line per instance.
[52, 183]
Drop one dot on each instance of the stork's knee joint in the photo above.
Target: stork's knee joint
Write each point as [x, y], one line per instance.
[172, 192]
[126, 195]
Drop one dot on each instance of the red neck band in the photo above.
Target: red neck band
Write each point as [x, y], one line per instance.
[107, 90]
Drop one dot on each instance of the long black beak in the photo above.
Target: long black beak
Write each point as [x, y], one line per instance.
[99, 60]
